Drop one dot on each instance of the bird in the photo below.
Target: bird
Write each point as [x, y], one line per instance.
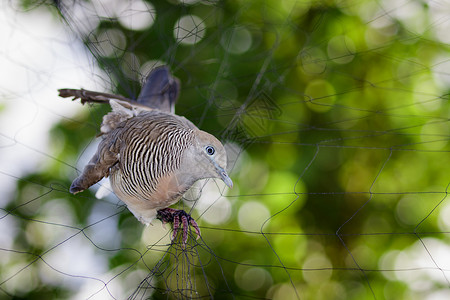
[151, 155]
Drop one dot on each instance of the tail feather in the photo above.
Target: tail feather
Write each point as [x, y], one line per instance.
[160, 90]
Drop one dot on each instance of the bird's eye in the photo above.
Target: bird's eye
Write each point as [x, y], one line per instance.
[210, 150]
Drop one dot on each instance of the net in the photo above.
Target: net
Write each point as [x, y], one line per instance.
[335, 117]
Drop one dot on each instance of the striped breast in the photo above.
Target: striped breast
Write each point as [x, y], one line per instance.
[151, 148]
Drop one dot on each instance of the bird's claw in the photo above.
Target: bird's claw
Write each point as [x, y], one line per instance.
[177, 216]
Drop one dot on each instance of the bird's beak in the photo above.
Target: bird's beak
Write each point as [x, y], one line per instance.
[226, 179]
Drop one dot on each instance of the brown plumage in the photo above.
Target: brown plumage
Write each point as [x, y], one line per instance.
[151, 155]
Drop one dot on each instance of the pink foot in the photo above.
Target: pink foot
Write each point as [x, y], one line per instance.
[170, 215]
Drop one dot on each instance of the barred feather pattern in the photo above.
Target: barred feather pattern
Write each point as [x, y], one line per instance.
[151, 147]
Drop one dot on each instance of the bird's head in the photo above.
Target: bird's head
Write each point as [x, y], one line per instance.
[211, 157]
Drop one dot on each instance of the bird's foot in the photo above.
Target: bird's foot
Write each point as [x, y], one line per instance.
[175, 216]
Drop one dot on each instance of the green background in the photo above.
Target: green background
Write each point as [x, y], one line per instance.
[338, 113]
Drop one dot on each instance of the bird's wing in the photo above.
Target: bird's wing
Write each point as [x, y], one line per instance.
[98, 97]
[160, 90]
[107, 156]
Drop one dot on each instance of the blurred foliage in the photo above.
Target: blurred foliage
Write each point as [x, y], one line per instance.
[341, 115]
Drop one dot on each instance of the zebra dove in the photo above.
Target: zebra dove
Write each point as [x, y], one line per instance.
[151, 155]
